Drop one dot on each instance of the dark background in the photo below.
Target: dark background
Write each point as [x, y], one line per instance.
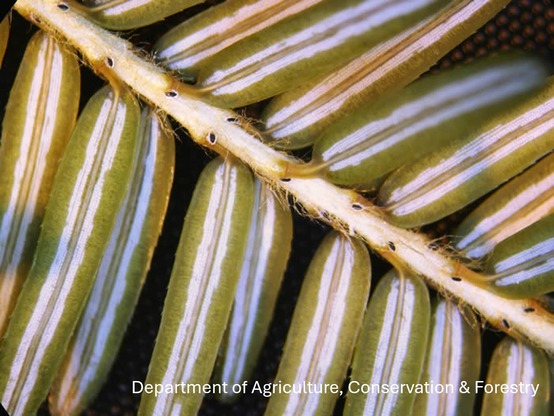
[523, 24]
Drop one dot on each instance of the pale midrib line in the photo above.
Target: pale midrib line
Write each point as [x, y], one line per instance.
[326, 336]
[246, 314]
[113, 7]
[432, 109]
[501, 141]
[109, 280]
[29, 155]
[450, 320]
[332, 32]
[518, 375]
[385, 376]
[20, 223]
[33, 350]
[316, 195]
[542, 204]
[396, 50]
[207, 41]
[520, 272]
[227, 199]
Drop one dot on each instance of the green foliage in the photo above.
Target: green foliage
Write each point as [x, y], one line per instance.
[224, 131]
